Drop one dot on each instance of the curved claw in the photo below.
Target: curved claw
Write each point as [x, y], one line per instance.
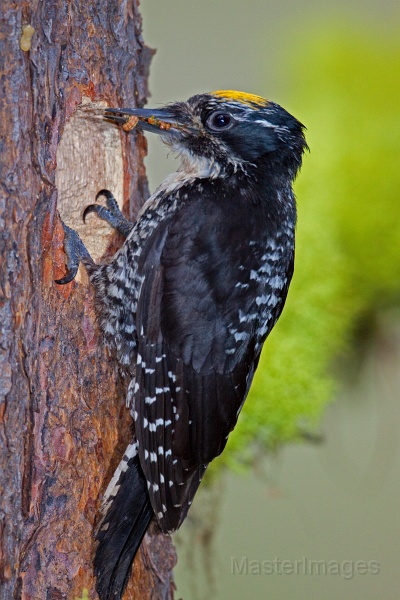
[90, 209]
[105, 193]
[75, 252]
[68, 277]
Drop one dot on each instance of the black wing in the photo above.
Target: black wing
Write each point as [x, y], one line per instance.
[197, 319]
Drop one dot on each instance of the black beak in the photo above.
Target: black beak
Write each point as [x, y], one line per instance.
[159, 121]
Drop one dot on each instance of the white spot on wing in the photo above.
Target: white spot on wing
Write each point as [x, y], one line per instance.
[241, 336]
[150, 399]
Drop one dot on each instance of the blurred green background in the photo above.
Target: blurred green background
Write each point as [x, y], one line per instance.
[321, 425]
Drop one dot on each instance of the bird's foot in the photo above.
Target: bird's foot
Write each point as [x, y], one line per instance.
[75, 251]
[112, 214]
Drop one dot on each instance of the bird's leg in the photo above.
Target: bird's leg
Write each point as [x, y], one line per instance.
[112, 214]
[76, 252]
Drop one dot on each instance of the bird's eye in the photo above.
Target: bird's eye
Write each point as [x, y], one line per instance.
[219, 120]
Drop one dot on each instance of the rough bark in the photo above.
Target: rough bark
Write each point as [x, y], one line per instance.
[63, 424]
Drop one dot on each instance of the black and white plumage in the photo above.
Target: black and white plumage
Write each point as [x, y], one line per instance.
[188, 301]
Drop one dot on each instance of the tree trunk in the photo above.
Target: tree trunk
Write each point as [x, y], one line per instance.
[63, 423]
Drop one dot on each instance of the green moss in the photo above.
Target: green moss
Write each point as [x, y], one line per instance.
[345, 88]
[85, 595]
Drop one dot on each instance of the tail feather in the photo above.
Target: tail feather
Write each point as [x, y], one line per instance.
[128, 513]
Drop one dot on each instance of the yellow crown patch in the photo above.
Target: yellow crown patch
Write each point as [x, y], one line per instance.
[249, 99]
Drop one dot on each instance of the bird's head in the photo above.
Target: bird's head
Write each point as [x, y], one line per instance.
[224, 132]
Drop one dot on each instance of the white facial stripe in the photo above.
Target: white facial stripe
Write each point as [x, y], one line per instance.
[264, 123]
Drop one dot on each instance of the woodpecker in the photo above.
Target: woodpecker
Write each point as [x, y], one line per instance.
[189, 299]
